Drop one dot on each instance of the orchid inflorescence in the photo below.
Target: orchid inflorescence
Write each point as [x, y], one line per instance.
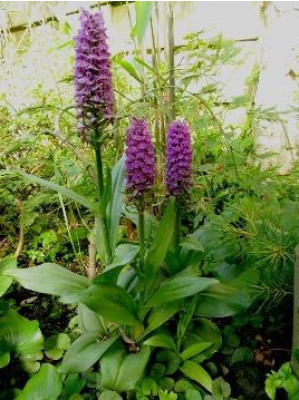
[95, 104]
[92, 75]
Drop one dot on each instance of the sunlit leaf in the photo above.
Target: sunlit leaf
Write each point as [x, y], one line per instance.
[59, 189]
[5, 281]
[143, 10]
[20, 336]
[161, 340]
[196, 372]
[45, 385]
[127, 66]
[179, 288]
[85, 352]
[49, 278]
[163, 236]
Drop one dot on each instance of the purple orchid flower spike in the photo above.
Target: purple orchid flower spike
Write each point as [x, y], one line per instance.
[179, 158]
[93, 78]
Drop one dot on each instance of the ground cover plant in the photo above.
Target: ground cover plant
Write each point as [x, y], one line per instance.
[149, 255]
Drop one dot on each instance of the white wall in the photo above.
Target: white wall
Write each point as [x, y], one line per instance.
[276, 50]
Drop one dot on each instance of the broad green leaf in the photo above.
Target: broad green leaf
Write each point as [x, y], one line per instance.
[120, 370]
[182, 385]
[127, 66]
[124, 254]
[45, 385]
[84, 352]
[195, 371]
[143, 10]
[193, 394]
[57, 188]
[89, 321]
[159, 316]
[72, 386]
[5, 281]
[110, 301]
[195, 349]
[170, 360]
[56, 345]
[7, 263]
[50, 279]
[204, 331]
[127, 279]
[163, 237]
[109, 395]
[132, 369]
[283, 378]
[161, 340]
[20, 336]
[222, 300]
[192, 243]
[220, 389]
[185, 320]
[179, 288]
[110, 365]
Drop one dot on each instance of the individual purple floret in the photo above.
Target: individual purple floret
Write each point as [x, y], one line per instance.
[179, 158]
[140, 162]
[93, 79]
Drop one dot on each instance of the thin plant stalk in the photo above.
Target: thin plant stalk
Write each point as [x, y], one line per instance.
[141, 237]
[170, 55]
[177, 228]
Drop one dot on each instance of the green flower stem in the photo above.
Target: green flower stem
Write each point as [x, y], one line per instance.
[141, 239]
[100, 172]
[177, 228]
[101, 191]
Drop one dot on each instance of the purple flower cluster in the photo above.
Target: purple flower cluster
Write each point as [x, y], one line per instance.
[93, 79]
[179, 158]
[140, 163]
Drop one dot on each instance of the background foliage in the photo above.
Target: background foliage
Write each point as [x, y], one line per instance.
[242, 218]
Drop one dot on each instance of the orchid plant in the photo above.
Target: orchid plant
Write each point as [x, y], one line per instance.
[123, 311]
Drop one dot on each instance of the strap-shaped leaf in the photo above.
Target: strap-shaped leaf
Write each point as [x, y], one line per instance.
[195, 349]
[179, 288]
[109, 395]
[143, 11]
[48, 278]
[57, 188]
[158, 316]
[5, 281]
[127, 66]
[21, 336]
[161, 340]
[223, 300]
[196, 372]
[124, 254]
[110, 301]
[121, 370]
[84, 352]
[115, 206]
[45, 385]
[157, 252]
